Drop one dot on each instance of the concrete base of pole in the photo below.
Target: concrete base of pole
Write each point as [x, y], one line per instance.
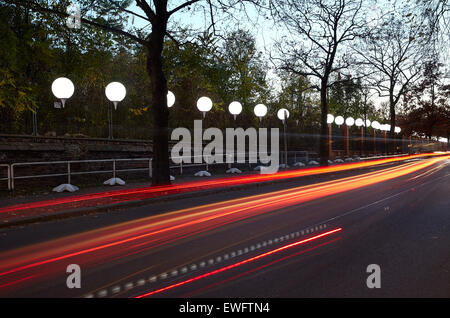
[66, 187]
[233, 170]
[203, 173]
[114, 181]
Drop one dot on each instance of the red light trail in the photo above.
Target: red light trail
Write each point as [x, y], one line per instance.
[119, 196]
[249, 260]
[143, 235]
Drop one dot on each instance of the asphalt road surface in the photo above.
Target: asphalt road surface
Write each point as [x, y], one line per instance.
[312, 237]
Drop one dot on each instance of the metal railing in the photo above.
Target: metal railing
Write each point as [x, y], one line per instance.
[12, 175]
[8, 178]
[69, 172]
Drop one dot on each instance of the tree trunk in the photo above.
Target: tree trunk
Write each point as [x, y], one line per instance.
[160, 163]
[391, 143]
[324, 149]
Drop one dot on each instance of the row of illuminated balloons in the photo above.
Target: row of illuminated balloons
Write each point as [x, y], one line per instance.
[339, 120]
[63, 89]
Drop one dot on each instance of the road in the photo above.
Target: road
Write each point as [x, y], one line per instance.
[311, 238]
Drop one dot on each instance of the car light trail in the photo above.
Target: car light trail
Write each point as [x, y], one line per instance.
[249, 260]
[144, 234]
[261, 267]
[119, 196]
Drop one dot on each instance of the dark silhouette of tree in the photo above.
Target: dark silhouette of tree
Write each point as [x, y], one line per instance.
[393, 52]
[426, 104]
[157, 13]
[316, 47]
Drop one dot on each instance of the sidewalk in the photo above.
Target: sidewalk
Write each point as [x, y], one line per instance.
[60, 205]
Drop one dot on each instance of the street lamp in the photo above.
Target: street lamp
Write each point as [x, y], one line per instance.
[115, 92]
[63, 89]
[376, 125]
[235, 108]
[170, 99]
[204, 104]
[330, 119]
[339, 120]
[283, 115]
[359, 123]
[348, 123]
[385, 128]
[260, 111]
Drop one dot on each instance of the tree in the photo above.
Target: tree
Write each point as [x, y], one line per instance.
[157, 13]
[426, 104]
[394, 52]
[319, 31]
[245, 72]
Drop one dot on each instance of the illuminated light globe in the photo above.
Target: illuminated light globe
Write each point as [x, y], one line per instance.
[260, 111]
[359, 122]
[350, 121]
[397, 130]
[204, 104]
[235, 108]
[368, 123]
[63, 89]
[170, 99]
[339, 120]
[330, 119]
[283, 114]
[376, 125]
[115, 92]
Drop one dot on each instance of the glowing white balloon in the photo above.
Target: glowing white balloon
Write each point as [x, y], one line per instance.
[63, 89]
[368, 123]
[376, 125]
[330, 119]
[359, 122]
[260, 111]
[339, 120]
[397, 130]
[204, 104]
[283, 114]
[170, 99]
[115, 92]
[235, 108]
[350, 121]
